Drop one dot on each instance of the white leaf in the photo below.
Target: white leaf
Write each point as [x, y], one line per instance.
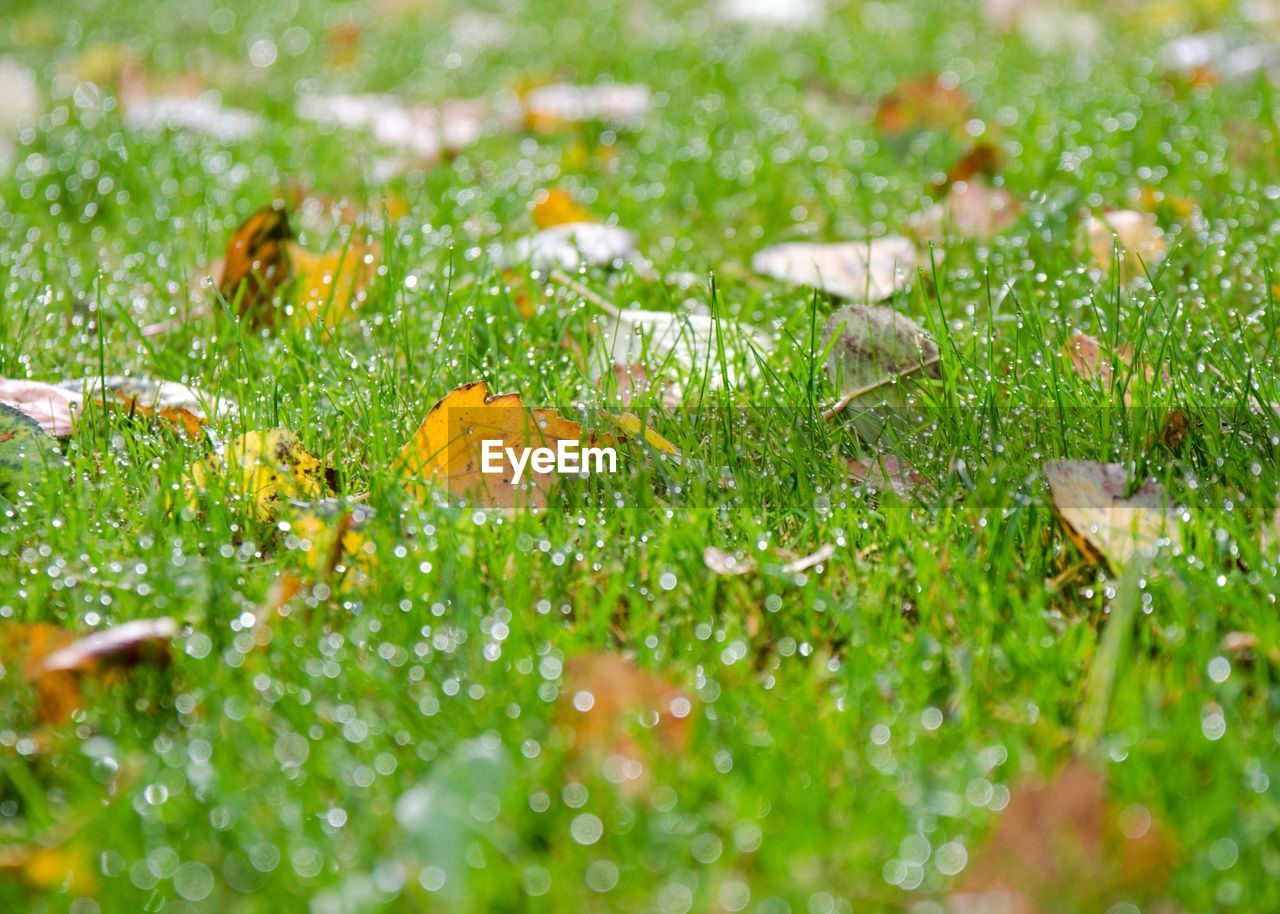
[573, 244]
[860, 271]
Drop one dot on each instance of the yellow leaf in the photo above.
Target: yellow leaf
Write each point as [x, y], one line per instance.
[632, 426]
[267, 467]
[446, 448]
[332, 286]
[557, 207]
[335, 544]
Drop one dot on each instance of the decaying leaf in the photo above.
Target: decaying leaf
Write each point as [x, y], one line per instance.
[1130, 234]
[557, 207]
[859, 271]
[1063, 847]
[446, 450]
[266, 467]
[257, 263]
[22, 648]
[1101, 518]
[27, 452]
[547, 108]
[48, 868]
[886, 472]
[926, 103]
[608, 703]
[632, 381]
[571, 245]
[873, 347]
[726, 563]
[422, 133]
[53, 408]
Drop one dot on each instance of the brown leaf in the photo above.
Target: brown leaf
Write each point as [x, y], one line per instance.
[608, 702]
[925, 103]
[861, 271]
[982, 159]
[972, 209]
[257, 263]
[1091, 501]
[887, 472]
[813, 560]
[632, 381]
[1062, 847]
[54, 408]
[23, 647]
[1134, 236]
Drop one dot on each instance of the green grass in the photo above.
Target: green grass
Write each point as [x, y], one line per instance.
[839, 716]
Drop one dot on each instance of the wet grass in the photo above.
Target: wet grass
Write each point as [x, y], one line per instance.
[853, 728]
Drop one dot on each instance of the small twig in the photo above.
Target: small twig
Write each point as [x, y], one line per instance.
[562, 278]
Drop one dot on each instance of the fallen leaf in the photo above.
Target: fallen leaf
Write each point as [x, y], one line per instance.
[608, 701]
[446, 448]
[1108, 525]
[204, 114]
[887, 472]
[632, 381]
[424, 133]
[804, 563]
[333, 286]
[1130, 234]
[20, 104]
[982, 159]
[27, 452]
[874, 346]
[791, 14]
[668, 343]
[256, 264]
[557, 207]
[726, 563]
[860, 271]
[575, 244]
[971, 209]
[125, 645]
[267, 467]
[635, 428]
[547, 108]
[22, 648]
[925, 103]
[53, 408]
[50, 868]
[334, 541]
[1063, 847]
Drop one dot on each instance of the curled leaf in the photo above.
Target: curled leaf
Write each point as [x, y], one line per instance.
[257, 263]
[1092, 502]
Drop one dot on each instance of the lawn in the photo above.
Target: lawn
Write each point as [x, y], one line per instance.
[794, 656]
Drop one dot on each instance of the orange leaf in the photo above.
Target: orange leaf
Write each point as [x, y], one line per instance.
[925, 103]
[331, 286]
[257, 263]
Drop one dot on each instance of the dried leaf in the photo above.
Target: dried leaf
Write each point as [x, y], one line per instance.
[23, 646]
[446, 449]
[608, 702]
[547, 108]
[667, 343]
[632, 381]
[257, 263]
[971, 209]
[886, 472]
[420, 132]
[203, 113]
[1134, 235]
[804, 563]
[860, 271]
[926, 103]
[874, 345]
[50, 868]
[575, 244]
[334, 540]
[726, 563]
[1107, 524]
[27, 452]
[125, 645]
[53, 408]
[266, 467]
[1061, 847]
[983, 159]
[557, 207]
[332, 286]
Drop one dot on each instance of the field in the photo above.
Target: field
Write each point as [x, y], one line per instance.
[798, 655]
